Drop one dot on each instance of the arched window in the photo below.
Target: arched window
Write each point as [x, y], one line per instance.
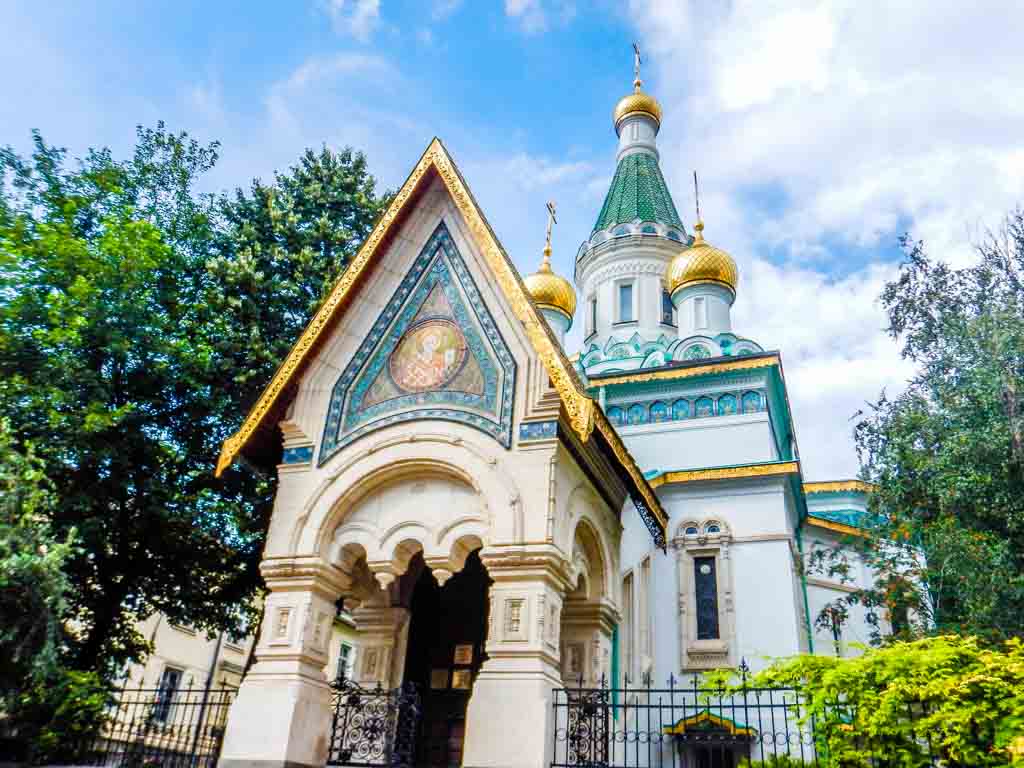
[691, 530]
[751, 402]
[713, 528]
[637, 414]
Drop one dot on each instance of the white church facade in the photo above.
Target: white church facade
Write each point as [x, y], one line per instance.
[501, 519]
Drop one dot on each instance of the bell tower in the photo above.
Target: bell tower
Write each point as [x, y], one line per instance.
[628, 314]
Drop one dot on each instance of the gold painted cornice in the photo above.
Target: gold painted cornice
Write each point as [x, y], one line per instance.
[581, 410]
[667, 373]
[726, 473]
[840, 486]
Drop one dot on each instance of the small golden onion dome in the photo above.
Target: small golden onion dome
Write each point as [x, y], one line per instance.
[701, 263]
[551, 291]
[637, 102]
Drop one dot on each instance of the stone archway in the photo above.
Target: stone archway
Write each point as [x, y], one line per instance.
[588, 613]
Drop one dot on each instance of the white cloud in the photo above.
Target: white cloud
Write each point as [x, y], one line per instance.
[534, 15]
[857, 120]
[355, 17]
[442, 9]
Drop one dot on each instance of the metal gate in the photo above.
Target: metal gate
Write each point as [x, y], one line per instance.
[373, 727]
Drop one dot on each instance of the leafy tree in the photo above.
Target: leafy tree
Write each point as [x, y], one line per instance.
[947, 529]
[32, 584]
[949, 698]
[105, 368]
[281, 247]
[140, 321]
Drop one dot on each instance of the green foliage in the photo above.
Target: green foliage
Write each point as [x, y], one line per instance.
[32, 583]
[280, 248]
[964, 697]
[60, 717]
[140, 319]
[948, 453]
[106, 370]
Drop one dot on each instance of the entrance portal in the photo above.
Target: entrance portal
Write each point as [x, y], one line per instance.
[447, 637]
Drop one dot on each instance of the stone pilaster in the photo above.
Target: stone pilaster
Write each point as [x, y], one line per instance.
[383, 633]
[523, 659]
[282, 715]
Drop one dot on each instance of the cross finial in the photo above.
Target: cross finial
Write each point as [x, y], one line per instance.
[696, 194]
[552, 220]
[637, 82]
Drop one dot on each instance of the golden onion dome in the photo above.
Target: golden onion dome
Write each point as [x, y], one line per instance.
[637, 102]
[701, 263]
[551, 291]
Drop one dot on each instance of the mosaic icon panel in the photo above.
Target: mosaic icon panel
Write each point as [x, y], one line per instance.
[434, 353]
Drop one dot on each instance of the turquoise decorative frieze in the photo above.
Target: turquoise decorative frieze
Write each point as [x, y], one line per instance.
[657, 411]
[433, 353]
[637, 352]
[299, 454]
[538, 430]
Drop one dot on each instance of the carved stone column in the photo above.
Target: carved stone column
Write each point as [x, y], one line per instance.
[282, 715]
[522, 667]
[383, 633]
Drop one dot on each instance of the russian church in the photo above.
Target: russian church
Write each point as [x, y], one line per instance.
[502, 517]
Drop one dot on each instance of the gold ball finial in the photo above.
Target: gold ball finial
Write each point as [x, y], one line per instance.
[701, 263]
[548, 290]
[637, 102]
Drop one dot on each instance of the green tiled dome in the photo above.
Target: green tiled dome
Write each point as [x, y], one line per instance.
[638, 191]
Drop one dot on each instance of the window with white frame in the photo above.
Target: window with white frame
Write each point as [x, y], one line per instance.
[346, 662]
[625, 303]
[700, 312]
[706, 621]
[668, 316]
[627, 625]
[644, 611]
[591, 315]
[170, 682]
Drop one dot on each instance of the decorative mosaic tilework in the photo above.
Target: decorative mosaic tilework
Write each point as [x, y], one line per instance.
[473, 385]
[298, 455]
[538, 430]
[701, 407]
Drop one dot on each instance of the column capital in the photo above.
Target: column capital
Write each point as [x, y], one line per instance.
[528, 562]
[304, 573]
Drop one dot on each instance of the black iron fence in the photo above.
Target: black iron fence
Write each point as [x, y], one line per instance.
[691, 725]
[161, 727]
[374, 727]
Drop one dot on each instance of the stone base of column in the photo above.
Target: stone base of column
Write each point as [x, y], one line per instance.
[509, 721]
[279, 720]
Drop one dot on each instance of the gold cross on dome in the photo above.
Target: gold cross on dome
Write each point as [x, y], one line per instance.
[636, 65]
[552, 220]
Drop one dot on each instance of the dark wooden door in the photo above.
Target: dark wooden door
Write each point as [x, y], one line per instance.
[444, 654]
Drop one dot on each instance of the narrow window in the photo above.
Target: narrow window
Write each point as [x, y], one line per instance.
[627, 624]
[700, 312]
[625, 302]
[644, 619]
[706, 586]
[666, 308]
[170, 681]
[593, 315]
[346, 662]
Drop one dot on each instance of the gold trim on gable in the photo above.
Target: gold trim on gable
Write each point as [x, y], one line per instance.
[726, 473]
[684, 372]
[839, 486]
[580, 408]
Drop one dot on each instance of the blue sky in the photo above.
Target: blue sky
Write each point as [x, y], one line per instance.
[821, 130]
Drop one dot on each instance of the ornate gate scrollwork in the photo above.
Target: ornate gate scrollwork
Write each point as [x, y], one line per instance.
[373, 727]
